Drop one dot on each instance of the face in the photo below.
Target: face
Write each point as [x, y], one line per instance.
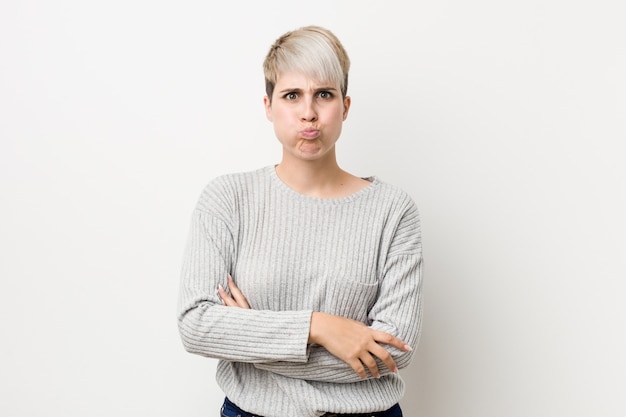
[307, 116]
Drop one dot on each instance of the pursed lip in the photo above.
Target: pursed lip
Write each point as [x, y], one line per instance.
[309, 133]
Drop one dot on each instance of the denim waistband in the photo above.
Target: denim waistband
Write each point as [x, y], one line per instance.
[229, 409]
[394, 411]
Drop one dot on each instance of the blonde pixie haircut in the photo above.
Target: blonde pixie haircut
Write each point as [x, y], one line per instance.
[311, 50]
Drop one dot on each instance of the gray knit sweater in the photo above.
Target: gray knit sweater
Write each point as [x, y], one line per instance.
[290, 254]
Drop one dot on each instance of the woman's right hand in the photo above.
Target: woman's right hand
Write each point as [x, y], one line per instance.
[354, 343]
[237, 299]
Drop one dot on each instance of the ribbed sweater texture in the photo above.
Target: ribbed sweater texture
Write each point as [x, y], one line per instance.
[358, 256]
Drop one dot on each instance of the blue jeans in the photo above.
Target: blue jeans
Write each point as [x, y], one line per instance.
[231, 410]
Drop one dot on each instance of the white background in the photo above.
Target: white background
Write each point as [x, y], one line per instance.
[505, 121]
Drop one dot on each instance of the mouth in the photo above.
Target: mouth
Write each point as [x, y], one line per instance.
[309, 133]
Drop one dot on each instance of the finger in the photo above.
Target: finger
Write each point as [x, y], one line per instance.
[237, 294]
[227, 300]
[388, 339]
[369, 361]
[358, 367]
[382, 354]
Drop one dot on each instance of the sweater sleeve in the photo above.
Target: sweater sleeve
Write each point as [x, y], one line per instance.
[211, 329]
[397, 310]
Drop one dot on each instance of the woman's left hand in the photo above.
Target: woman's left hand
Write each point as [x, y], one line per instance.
[236, 297]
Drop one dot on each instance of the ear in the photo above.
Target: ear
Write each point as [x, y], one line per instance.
[268, 108]
[346, 106]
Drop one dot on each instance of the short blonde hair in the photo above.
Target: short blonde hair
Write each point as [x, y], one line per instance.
[311, 50]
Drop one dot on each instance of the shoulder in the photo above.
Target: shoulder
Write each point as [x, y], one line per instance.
[398, 199]
[403, 212]
[404, 220]
[228, 189]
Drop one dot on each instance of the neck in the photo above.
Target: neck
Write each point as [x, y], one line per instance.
[320, 178]
[308, 175]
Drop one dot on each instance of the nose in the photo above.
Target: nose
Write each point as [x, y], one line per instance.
[309, 112]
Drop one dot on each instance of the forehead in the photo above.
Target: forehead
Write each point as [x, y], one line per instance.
[302, 81]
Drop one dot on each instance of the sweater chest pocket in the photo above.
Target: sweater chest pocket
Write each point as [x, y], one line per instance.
[351, 299]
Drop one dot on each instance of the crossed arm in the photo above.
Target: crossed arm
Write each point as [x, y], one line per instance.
[349, 340]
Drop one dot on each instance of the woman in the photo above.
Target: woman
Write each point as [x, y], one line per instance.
[303, 279]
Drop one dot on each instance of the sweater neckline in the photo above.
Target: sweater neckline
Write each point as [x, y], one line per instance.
[271, 171]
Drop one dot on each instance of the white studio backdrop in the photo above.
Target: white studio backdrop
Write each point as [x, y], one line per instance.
[504, 120]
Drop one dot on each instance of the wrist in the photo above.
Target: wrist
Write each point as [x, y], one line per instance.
[314, 328]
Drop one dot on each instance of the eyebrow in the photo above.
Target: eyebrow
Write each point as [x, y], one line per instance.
[287, 90]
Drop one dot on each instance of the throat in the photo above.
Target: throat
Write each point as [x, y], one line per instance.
[321, 184]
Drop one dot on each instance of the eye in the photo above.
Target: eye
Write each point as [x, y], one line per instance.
[291, 96]
[327, 95]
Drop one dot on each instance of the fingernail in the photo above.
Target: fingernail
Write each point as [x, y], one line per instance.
[220, 287]
[408, 348]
